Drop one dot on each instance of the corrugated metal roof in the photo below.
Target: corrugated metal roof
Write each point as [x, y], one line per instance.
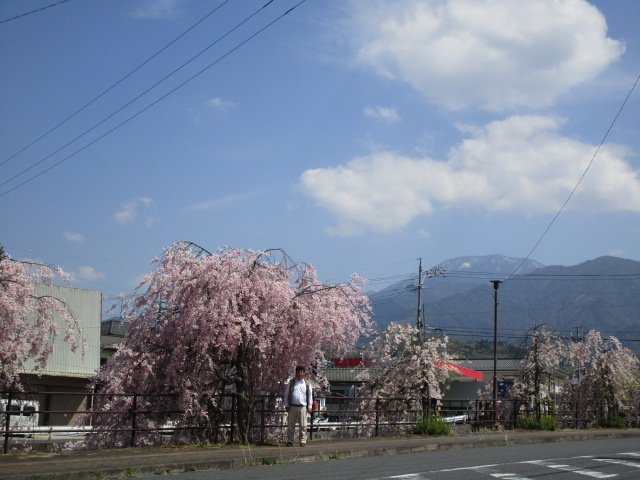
[486, 364]
[348, 375]
[362, 374]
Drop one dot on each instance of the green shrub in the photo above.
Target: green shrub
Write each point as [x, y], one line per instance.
[548, 422]
[613, 421]
[531, 422]
[433, 425]
[527, 422]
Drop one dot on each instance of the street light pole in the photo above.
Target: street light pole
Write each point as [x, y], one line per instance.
[496, 284]
[419, 318]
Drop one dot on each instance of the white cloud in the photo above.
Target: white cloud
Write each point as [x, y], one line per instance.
[220, 103]
[493, 54]
[157, 9]
[219, 202]
[74, 237]
[386, 114]
[519, 164]
[136, 211]
[87, 273]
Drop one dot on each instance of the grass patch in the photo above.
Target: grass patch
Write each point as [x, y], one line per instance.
[613, 421]
[532, 422]
[433, 425]
[269, 460]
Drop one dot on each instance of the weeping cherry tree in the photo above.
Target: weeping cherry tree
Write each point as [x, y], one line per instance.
[204, 325]
[28, 320]
[410, 371]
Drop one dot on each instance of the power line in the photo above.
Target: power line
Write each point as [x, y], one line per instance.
[137, 97]
[33, 11]
[111, 87]
[170, 92]
[532, 308]
[586, 170]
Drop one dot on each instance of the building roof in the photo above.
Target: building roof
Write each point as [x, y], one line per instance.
[474, 369]
[347, 375]
[115, 327]
[512, 365]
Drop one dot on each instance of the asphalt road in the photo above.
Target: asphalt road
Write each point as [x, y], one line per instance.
[599, 459]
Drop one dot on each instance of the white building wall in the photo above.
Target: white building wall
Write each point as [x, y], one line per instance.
[86, 306]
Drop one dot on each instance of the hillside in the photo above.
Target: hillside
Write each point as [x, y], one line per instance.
[398, 302]
[600, 294]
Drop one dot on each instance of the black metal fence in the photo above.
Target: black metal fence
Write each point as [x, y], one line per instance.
[28, 420]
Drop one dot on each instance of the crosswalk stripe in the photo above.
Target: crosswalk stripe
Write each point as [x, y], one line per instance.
[626, 463]
[509, 476]
[568, 468]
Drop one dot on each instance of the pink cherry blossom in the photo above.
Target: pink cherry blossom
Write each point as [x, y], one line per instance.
[409, 372]
[28, 322]
[202, 326]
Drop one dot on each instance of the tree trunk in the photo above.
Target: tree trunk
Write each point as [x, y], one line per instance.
[244, 394]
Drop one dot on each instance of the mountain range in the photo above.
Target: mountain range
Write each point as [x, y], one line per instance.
[601, 294]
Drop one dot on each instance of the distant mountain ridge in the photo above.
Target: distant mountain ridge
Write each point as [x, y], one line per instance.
[398, 302]
[498, 264]
[602, 294]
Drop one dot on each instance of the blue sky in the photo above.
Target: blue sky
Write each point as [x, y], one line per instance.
[357, 136]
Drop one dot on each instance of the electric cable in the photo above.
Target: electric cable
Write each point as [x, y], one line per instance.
[118, 82]
[584, 173]
[137, 98]
[33, 11]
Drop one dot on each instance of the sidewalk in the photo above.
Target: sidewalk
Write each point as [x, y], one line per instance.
[134, 461]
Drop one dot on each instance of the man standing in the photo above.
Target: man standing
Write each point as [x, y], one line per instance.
[298, 399]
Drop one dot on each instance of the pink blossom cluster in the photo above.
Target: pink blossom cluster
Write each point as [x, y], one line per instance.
[595, 374]
[604, 375]
[237, 321]
[411, 371]
[28, 322]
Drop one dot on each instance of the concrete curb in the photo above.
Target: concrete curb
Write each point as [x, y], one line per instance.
[129, 462]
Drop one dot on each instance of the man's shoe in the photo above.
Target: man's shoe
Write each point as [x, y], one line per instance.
[289, 444]
[303, 444]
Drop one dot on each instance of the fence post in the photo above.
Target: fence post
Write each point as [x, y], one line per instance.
[311, 426]
[7, 417]
[134, 414]
[262, 420]
[233, 417]
[377, 416]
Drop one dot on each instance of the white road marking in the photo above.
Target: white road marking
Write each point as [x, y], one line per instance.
[408, 476]
[548, 463]
[568, 468]
[474, 467]
[617, 461]
[509, 476]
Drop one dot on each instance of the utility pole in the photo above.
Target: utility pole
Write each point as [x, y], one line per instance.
[496, 285]
[419, 318]
[420, 321]
[578, 330]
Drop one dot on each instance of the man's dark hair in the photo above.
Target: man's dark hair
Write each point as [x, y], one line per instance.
[300, 368]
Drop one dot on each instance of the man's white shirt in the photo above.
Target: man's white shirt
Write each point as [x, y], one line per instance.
[299, 396]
